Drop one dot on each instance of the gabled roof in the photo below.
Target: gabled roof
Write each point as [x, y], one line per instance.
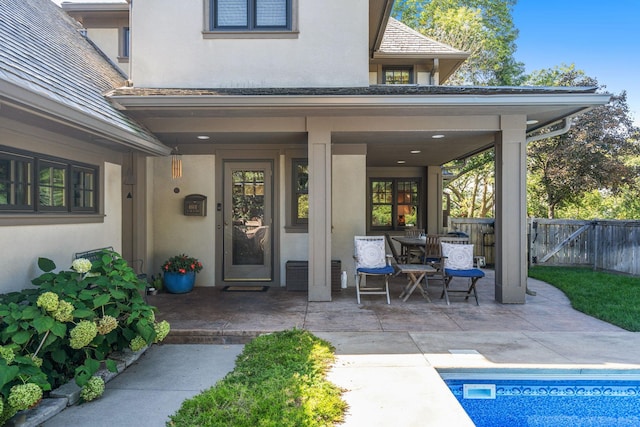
[400, 38]
[49, 68]
[402, 44]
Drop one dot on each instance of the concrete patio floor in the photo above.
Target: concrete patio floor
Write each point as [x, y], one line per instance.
[544, 332]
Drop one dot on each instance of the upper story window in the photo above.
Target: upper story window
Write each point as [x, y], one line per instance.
[250, 15]
[395, 203]
[31, 183]
[397, 75]
[125, 41]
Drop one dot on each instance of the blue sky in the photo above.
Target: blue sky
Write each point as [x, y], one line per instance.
[602, 38]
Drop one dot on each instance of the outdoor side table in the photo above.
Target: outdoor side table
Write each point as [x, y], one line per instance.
[415, 273]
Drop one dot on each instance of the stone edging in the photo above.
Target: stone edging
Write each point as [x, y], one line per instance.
[69, 393]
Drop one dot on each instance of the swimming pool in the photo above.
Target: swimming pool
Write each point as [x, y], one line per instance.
[557, 403]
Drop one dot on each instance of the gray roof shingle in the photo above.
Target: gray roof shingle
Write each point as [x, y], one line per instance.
[399, 38]
[43, 52]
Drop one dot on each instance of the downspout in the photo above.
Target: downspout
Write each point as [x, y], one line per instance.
[568, 122]
[567, 125]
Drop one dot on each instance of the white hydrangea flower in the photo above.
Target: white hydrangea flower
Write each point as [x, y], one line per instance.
[81, 265]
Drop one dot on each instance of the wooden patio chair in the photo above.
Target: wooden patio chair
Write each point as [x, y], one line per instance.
[372, 260]
[397, 257]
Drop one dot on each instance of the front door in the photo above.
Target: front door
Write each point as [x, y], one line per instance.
[248, 219]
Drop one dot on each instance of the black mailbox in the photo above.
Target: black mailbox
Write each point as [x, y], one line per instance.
[195, 205]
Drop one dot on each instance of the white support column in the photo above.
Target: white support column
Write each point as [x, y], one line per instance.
[434, 200]
[319, 148]
[511, 211]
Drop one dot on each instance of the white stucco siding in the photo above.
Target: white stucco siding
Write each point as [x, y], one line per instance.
[330, 50]
[173, 232]
[349, 208]
[107, 39]
[23, 245]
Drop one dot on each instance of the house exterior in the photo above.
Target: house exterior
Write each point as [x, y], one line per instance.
[296, 125]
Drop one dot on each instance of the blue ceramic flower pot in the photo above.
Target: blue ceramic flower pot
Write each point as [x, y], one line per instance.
[178, 283]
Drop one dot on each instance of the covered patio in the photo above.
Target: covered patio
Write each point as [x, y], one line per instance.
[209, 315]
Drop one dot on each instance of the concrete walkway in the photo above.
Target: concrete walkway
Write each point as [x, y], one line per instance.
[389, 357]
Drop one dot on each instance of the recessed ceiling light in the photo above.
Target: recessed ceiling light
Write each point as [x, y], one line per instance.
[438, 136]
[401, 162]
[203, 137]
[415, 151]
[532, 122]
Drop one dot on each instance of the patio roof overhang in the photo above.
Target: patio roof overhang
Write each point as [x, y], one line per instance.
[399, 119]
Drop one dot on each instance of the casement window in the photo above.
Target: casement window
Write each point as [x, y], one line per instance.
[394, 203]
[300, 186]
[31, 183]
[250, 15]
[397, 75]
[16, 182]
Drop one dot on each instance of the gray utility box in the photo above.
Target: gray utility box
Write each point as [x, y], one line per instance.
[298, 275]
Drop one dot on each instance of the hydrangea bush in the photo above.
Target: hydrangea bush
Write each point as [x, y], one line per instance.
[68, 326]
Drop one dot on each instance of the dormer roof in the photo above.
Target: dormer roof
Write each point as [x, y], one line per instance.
[402, 39]
[402, 43]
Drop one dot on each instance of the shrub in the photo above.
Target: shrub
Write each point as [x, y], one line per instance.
[69, 325]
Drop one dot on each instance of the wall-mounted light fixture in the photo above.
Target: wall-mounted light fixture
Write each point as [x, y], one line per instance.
[176, 164]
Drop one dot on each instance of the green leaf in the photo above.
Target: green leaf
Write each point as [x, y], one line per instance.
[7, 373]
[46, 265]
[118, 294]
[112, 366]
[30, 312]
[83, 313]
[146, 331]
[59, 329]
[101, 300]
[59, 356]
[43, 324]
[21, 337]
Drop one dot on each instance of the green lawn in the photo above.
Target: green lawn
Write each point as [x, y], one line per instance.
[279, 380]
[614, 298]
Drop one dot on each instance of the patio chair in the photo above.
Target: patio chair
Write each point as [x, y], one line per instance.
[398, 258]
[433, 257]
[458, 263]
[371, 260]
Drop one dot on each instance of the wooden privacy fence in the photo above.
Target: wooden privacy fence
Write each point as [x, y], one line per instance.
[601, 244]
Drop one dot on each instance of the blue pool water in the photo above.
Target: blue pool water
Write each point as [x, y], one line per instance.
[548, 403]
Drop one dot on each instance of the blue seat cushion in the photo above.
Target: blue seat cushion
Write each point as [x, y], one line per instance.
[474, 272]
[383, 270]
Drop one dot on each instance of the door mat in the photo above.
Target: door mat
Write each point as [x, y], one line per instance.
[245, 289]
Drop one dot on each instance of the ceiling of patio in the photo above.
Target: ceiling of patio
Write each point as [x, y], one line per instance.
[383, 148]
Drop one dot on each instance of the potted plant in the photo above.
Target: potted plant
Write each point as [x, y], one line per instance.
[179, 273]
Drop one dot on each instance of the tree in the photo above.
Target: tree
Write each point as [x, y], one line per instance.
[472, 189]
[595, 155]
[482, 28]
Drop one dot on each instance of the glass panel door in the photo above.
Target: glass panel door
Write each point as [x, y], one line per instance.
[247, 221]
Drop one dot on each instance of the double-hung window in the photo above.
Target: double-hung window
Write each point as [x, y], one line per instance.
[250, 15]
[32, 183]
[394, 203]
